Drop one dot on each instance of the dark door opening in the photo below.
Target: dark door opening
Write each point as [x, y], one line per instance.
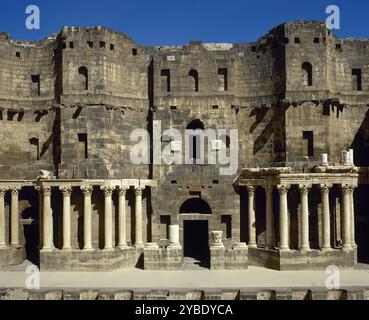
[31, 234]
[196, 241]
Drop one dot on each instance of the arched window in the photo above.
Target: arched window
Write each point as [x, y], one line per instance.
[195, 205]
[194, 74]
[83, 72]
[308, 76]
[194, 147]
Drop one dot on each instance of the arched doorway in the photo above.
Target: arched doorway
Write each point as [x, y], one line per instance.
[196, 249]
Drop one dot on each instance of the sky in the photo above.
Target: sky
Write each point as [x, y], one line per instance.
[176, 22]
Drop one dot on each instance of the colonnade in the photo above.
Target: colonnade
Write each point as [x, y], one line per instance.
[46, 217]
[348, 216]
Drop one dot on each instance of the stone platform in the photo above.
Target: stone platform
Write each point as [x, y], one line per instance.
[297, 260]
[11, 256]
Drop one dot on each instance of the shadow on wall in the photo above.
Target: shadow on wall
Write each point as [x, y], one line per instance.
[361, 143]
[275, 127]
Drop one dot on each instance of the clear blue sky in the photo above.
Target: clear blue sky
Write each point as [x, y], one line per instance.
[157, 22]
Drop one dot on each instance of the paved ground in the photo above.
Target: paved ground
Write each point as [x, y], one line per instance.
[134, 279]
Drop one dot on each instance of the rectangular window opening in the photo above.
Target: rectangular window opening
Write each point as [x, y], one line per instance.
[222, 79]
[308, 148]
[35, 84]
[83, 148]
[164, 227]
[357, 74]
[227, 220]
[165, 74]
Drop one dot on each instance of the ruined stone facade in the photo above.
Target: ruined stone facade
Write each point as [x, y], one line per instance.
[69, 103]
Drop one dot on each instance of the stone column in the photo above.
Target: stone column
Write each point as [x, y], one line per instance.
[122, 235]
[48, 243]
[174, 236]
[252, 218]
[283, 218]
[138, 216]
[304, 240]
[216, 239]
[66, 191]
[14, 229]
[352, 222]
[270, 233]
[87, 223]
[326, 225]
[346, 234]
[108, 218]
[3, 243]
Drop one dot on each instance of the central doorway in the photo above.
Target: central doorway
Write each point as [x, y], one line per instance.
[196, 242]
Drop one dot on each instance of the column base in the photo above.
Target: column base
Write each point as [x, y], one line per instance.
[66, 249]
[88, 249]
[353, 245]
[305, 249]
[284, 250]
[16, 245]
[326, 249]
[252, 245]
[122, 246]
[51, 249]
[108, 249]
[3, 246]
[139, 245]
[347, 248]
[174, 246]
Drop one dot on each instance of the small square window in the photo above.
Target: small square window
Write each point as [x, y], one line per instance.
[215, 107]
[297, 40]
[71, 45]
[102, 44]
[253, 48]
[90, 44]
[112, 47]
[18, 54]
[134, 51]
[338, 46]
[173, 107]
[316, 40]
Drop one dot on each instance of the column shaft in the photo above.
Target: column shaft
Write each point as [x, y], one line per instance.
[138, 217]
[66, 191]
[270, 233]
[3, 243]
[283, 218]
[122, 235]
[14, 232]
[346, 236]
[87, 223]
[47, 220]
[326, 226]
[108, 217]
[252, 217]
[304, 240]
[352, 222]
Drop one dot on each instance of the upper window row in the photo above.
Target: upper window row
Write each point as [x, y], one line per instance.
[193, 77]
[91, 44]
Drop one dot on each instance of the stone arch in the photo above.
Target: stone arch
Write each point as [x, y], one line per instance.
[83, 72]
[308, 68]
[195, 75]
[195, 205]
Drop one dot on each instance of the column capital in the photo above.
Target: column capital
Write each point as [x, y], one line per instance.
[304, 188]
[3, 190]
[138, 190]
[123, 190]
[46, 190]
[325, 187]
[251, 190]
[108, 190]
[347, 188]
[87, 190]
[283, 189]
[15, 189]
[66, 190]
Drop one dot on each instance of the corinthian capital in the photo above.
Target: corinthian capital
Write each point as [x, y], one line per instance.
[138, 190]
[123, 190]
[108, 190]
[304, 188]
[283, 189]
[250, 190]
[66, 190]
[324, 188]
[3, 190]
[346, 188]
[87, 190]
